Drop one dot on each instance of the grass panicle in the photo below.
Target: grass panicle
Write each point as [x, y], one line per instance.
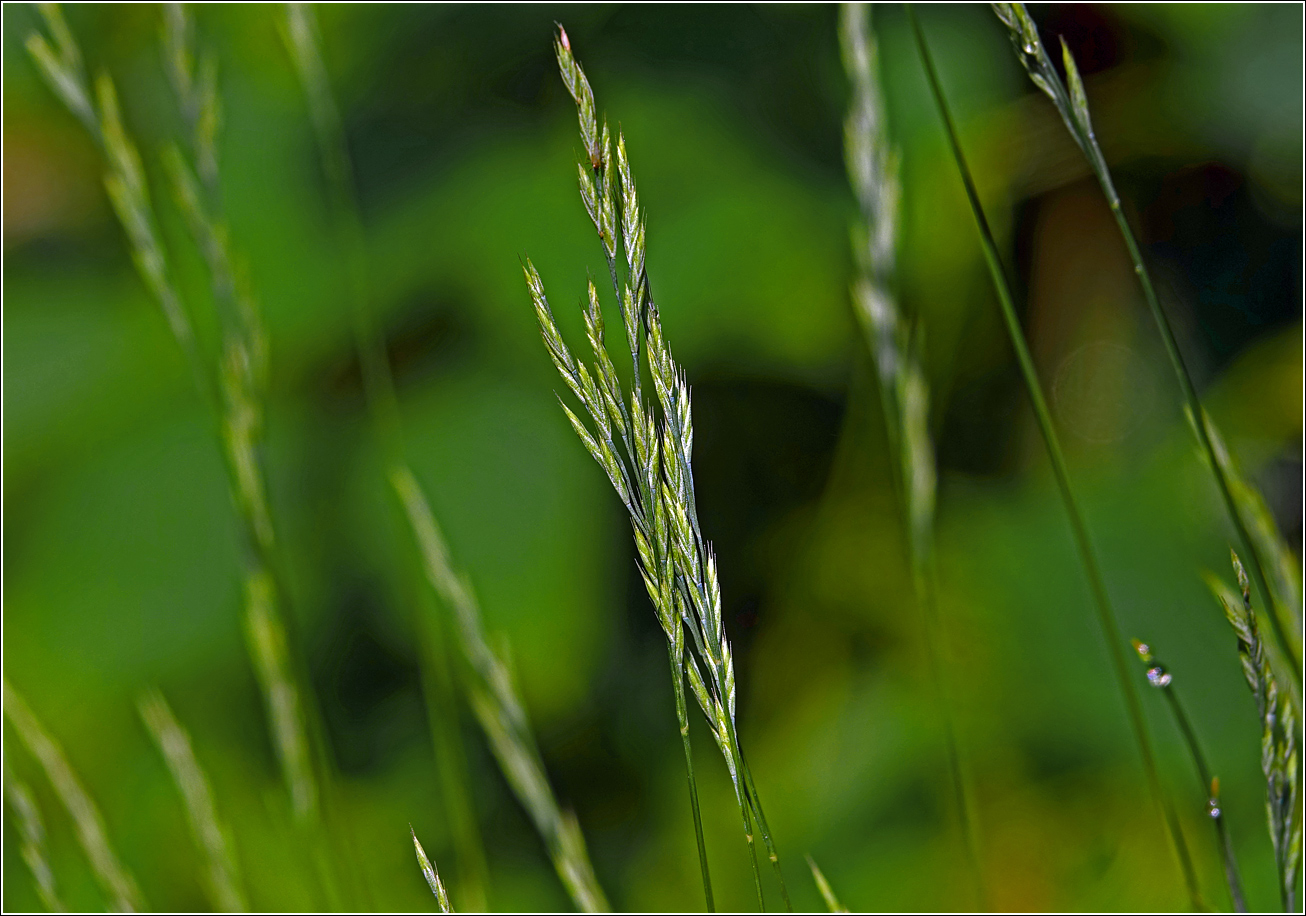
[646, 454]
[897, 353]
[827, 892]
[430, 874]
[31, 830]
[301, 37]
[237, 373]
[1161, 679]
[222, 882]
[1280, 730]
[498, 707]
[1239, 498]
[117, 883]
[1088, 557]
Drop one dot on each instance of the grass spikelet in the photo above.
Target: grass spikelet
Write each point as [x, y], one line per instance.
[430, 874]
[897, 353]
[498, 706]
[221, 877]
[32, 831]
[117, 883]
[267, 646]
[1072, 104]
[1280, 748]
[646, 453]
[1161, 679]
[827, 892]
[1079, 530]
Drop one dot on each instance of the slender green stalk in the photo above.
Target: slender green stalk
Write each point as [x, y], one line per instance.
[682, 719]
[32, 830]
[1072, 104]
[1162, 680]
[116, 882]
[904, 392]
[827, 892]
[1280, 735]
[221, 878]
[382, 404]
[1101, 599]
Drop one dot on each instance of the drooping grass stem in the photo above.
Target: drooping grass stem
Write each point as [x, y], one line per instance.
[1097, 585]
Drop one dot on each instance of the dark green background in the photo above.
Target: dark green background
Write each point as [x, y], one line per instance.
[120, 551]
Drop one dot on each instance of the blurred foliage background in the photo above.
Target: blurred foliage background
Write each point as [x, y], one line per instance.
[121, 555]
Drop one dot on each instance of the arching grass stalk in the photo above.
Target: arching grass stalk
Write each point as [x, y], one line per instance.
[1097, 586]
[1072, 104]
[1280, 736]
[1162, 680]
[231, 381]
[827, 892]
[382, 404]
[650, 468]
[897, 352]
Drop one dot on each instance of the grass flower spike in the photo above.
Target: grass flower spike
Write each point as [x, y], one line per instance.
[646, 453]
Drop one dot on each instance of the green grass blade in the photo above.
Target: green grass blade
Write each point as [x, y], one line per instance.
[1072, 105]
[1088, 558]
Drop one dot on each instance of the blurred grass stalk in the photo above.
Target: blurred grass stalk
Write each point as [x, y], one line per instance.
[896, 347]
[1239, 498]
[497, 704]
[378, 388]
[1162, 680]
[32, 831]
[221, 879]
[1280, 735]
[822, 885]
[232, 382]
[652, 472]
[1101, 598]
[117, 883]
[494, 697]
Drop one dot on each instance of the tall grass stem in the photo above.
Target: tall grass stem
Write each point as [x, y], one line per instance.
[1101, 599]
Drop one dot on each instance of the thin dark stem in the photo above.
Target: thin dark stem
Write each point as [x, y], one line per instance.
[1214, 810]
[756, 802]
[1097, 586]
[682, 717]
[1292, 648]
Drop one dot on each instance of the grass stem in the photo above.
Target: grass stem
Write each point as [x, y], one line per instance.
[1101, 598]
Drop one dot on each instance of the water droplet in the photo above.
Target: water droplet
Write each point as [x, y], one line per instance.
[1157, 676]
[1213, 808]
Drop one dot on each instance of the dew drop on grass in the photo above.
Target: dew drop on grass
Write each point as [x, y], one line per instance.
[1157, 676]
